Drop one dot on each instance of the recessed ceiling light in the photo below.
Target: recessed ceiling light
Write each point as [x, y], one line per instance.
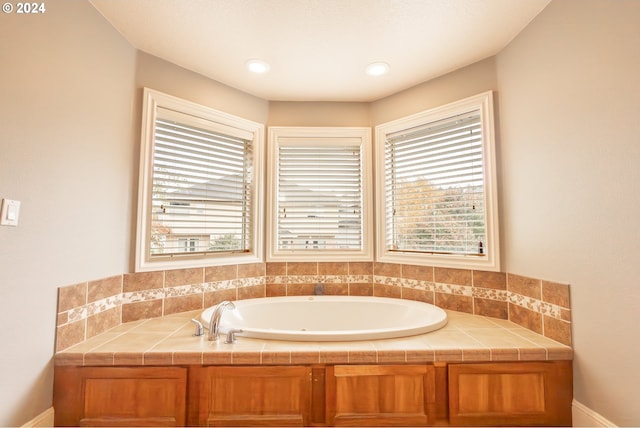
[377, 68]
[257, 66]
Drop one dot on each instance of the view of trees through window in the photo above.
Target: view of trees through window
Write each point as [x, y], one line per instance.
[442, 220]
[435, 188]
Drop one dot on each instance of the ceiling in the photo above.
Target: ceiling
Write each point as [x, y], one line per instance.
[318, 49]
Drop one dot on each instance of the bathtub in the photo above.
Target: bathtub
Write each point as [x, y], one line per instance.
[329, 318]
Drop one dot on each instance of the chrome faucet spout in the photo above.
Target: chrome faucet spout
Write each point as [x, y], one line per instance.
[214, 323]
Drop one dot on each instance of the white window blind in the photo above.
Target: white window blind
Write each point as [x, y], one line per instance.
[201, 201]
[434, 187]
[319, 196]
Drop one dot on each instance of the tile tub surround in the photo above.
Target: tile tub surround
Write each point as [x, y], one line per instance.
[169, 341]
[88, 309]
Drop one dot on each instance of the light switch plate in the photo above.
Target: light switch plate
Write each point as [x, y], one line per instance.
[10, 212]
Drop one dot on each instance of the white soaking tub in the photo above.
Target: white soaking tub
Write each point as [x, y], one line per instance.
[329, 318]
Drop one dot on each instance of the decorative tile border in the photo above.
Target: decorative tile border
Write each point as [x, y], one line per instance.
[141, 296]
[221, 285]
[538, 305]
[93, 308]
[490, 294]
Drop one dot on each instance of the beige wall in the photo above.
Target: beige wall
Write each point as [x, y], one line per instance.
[465, 82]
[66, 152]
[282, 113]
[569, 96]
[163, 76]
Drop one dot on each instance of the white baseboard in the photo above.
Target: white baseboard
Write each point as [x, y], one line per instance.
[44, 419]
[585, 417]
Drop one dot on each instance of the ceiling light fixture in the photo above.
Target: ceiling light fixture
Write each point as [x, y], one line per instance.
[257, 66]
[377, 68]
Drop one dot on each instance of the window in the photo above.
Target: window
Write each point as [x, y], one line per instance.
[319, 194]
[436, 195]
[189, 244]
[200, 186]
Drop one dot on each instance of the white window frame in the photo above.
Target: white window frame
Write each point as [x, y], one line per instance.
[490, 261]
[363, 134]
[152, 100]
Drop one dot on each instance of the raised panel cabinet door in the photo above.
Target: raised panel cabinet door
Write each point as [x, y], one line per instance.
[385, 395]
[253, 396]
[117, 396]
[527, 393]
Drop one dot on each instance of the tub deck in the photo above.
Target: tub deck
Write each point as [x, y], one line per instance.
[168, 341]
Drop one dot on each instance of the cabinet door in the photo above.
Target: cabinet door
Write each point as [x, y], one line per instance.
[380, 395]
[116, 396]
[535, 393]
[251, 396]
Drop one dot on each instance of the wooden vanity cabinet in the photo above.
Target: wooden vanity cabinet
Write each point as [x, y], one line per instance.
[524, 393]
[120, 396]
[454, 394]
[380, 395]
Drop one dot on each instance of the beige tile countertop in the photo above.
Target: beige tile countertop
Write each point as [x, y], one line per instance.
[169, 340]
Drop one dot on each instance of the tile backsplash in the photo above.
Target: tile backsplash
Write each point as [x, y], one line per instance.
[90, 308]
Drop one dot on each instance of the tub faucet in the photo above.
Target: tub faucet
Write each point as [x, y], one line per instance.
[214, 323]
[318, 290]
